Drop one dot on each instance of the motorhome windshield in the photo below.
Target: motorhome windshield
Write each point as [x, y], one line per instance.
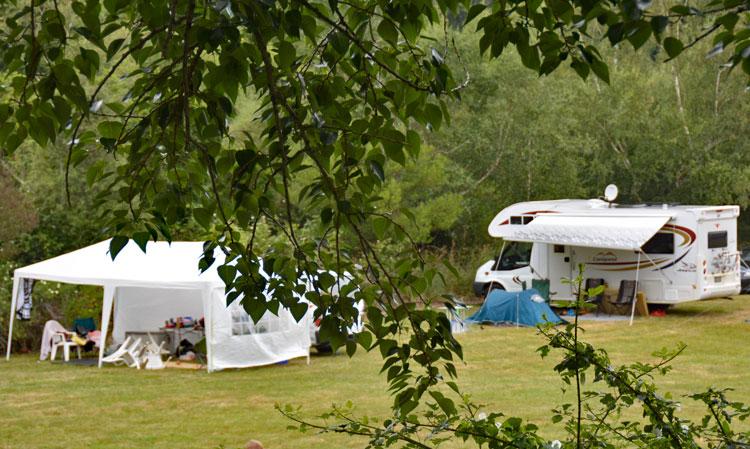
[515, 255]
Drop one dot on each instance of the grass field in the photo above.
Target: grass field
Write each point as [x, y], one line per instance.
[45, 405]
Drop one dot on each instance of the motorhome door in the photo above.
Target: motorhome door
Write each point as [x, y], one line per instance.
[559, 265]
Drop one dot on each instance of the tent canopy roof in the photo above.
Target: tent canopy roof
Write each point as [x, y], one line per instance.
[163, 265]
[626, 232]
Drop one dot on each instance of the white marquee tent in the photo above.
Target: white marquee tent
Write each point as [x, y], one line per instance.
[142, 290]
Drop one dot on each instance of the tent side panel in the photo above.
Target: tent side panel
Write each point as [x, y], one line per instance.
[238, 344]
[143, 309]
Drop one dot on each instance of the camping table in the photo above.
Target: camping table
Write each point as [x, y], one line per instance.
[175, 335]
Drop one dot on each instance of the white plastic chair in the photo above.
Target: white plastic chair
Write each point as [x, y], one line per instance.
[152, 345]
[152, 356]
[60, 339]
[120, 354]
[136, 354]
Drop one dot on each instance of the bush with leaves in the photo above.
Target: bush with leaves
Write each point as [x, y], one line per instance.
[601, 417]
[18, 215]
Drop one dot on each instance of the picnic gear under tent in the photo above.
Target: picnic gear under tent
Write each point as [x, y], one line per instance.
[524, 308]
[142, 290]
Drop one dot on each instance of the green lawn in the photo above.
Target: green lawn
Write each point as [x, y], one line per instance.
[44, 405]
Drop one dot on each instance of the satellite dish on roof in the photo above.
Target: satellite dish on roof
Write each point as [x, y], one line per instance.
[610, 193]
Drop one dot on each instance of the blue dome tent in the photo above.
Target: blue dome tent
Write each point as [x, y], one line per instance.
[524, 308]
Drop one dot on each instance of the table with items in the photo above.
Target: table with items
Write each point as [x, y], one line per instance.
[182, 331]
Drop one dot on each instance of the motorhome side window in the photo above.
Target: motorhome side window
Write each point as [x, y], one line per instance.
[660, 243]
[717, 239]
[520, 220]
[515, 255]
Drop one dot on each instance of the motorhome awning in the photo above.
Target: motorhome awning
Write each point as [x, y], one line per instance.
[595, 231]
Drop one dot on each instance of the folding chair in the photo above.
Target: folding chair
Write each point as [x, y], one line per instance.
[542, 286]
[593, 283]
[626, 293]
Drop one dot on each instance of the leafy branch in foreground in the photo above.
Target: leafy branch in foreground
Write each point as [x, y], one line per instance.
[601, 416]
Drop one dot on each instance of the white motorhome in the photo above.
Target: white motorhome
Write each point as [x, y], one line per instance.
[675, 253]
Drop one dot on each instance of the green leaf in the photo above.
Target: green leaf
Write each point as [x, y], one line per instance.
[673, 46]
[388, 31]
[393, 143]
[42, 130]
[364, 338]
[88, 62]
[141, 239]
[94, 172]
[659, 24]
[640, 35]
[227, 273]
[377, 170]
[451, 268]
[728, 21]
[65, 75]
[116, 245]
[326, 215]
[114, 47]
[351, 348]
[405, 401]
[298, 310]
[615, 33]
[413, 143]
[109, 129]
[380, 225]
[286, 55]
[108, 143]
[203, 216]
[562, 9]
[681, 10]
[601, 70]
[529, 56]
[77, 155]
[434, 115]
[581, 68]
[474, 11]
[15, 140]
[445, 404]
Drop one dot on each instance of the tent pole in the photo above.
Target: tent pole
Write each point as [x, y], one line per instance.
[109, 297]
[494, 268]
[308, 324]
[13, 301]
[208, 325]
[635, 290]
